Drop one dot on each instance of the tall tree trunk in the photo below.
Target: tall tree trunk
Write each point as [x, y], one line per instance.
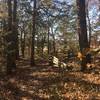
[48, 41]
[14, 29]
[89, 29]
[11, 61]
[23, 47]
[9, 15]
[82, 31]
[38, 44]
[23, 43]
[22, 40]
[89, 24]
[54, 44]
[33, 35]
[42, 45]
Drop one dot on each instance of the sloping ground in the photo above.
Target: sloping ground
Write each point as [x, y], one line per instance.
[43, 82]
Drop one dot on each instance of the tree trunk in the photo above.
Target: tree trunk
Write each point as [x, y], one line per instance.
[54, 44]
[48, 42]
[82, 31]
[23, 47]
[33, 35]
[11, 61]
[14, 29]
[23, 44]
[89, 30]
[42, 45]
[89, 24]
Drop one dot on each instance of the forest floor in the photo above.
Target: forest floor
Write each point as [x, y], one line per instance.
[43, 82]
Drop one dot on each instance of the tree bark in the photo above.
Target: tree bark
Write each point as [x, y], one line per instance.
[48, 41]
[11, 61]
[42, 45]
[15, 28]
[23, 43]
[89, 23]
[54, 43]
[89, 29]
[82, 31]
[33, 35]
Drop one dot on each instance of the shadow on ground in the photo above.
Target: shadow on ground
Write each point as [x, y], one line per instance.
[43, 82]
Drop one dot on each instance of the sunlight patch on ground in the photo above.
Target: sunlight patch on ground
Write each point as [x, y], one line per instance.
[41, 93]
[26, 98]
[43, 74]
[78, 95]
[24, 66]
[22, 87]
[31, 92]
[77, 74]
[92, 78]
[12, 80]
